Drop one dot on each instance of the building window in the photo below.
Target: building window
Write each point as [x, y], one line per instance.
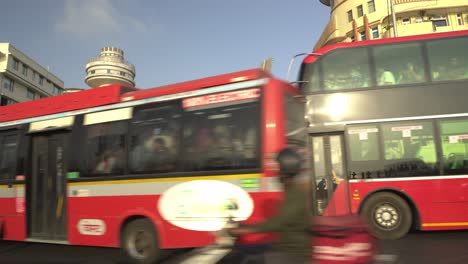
[406, 21]
[92, 72]
[440, 21]
[418, 19]
[360, 11]
[363, 35]
[56, 90]
[375, 33]
[25, 70]
[122, 73]
[109, 71]
[352, 38]
[6, 101]
[41, 80]
[30, 94]
[34, 76]
[8, 84]
[15, 64]
[371, 6]
[460, 19]
[350, 15]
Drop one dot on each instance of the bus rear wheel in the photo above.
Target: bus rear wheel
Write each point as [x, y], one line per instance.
[388, 214]
[140, 242]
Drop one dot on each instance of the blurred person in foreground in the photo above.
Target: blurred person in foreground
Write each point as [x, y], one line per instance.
[292, 222]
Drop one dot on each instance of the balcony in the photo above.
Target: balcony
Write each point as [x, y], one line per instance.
[421, 28]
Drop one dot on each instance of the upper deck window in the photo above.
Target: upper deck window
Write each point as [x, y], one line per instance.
[448, 59]
[399, 64]
[346, 69]
[395, 64]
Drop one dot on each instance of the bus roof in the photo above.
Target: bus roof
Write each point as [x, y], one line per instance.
[328, 48]
[241, 76]
[63, 103]
[114, 94]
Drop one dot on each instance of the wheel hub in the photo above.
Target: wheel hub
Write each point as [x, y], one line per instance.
[387, 216]
[139, 244]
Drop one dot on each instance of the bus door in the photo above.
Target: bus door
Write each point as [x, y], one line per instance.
[329, 174]
[47, 188]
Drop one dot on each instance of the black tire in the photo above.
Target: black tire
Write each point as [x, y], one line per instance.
[388, 214]
[140, 242]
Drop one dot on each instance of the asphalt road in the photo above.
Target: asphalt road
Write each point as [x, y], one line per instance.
[422, 247]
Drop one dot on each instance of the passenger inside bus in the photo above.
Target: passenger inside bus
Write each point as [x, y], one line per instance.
[410, 74]
[110, 161]
[453, 69]
[160, 157]
[385, 77]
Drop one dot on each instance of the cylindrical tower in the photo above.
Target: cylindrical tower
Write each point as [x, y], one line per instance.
[109, 68]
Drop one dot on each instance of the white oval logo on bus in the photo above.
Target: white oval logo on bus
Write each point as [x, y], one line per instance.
[92, 227]
[204, 205]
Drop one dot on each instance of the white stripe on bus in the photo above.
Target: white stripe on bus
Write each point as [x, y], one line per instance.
[394, 119]
[422, 178]
[215, 89]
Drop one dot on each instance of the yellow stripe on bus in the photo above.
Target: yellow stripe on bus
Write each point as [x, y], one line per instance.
[14, 185]
[190, 178]
[445, 224]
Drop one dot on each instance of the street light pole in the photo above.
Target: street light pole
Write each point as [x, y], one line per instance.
[395, 31]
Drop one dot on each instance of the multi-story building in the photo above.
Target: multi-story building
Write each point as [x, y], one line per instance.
[355, 20]
[110, 68]
[23, 79]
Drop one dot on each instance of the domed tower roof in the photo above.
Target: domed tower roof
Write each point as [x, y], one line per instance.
[109, 68]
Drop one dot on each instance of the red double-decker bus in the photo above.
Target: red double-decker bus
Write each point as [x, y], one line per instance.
[388, 124]
[149, 169]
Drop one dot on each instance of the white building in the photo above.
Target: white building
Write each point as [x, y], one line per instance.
[23, 79]
[109, 68]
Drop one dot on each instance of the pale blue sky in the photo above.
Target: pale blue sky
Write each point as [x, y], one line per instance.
[168, 41]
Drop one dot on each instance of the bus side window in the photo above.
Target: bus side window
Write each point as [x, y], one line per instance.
[155, 130]
[454, 138]
[221, 138]
[106, 146]
[398, 64]
[346, 69]
[448, 58]
[8, 151]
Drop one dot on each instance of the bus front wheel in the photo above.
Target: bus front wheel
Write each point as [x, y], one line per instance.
[140, 242]
[388, 214]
